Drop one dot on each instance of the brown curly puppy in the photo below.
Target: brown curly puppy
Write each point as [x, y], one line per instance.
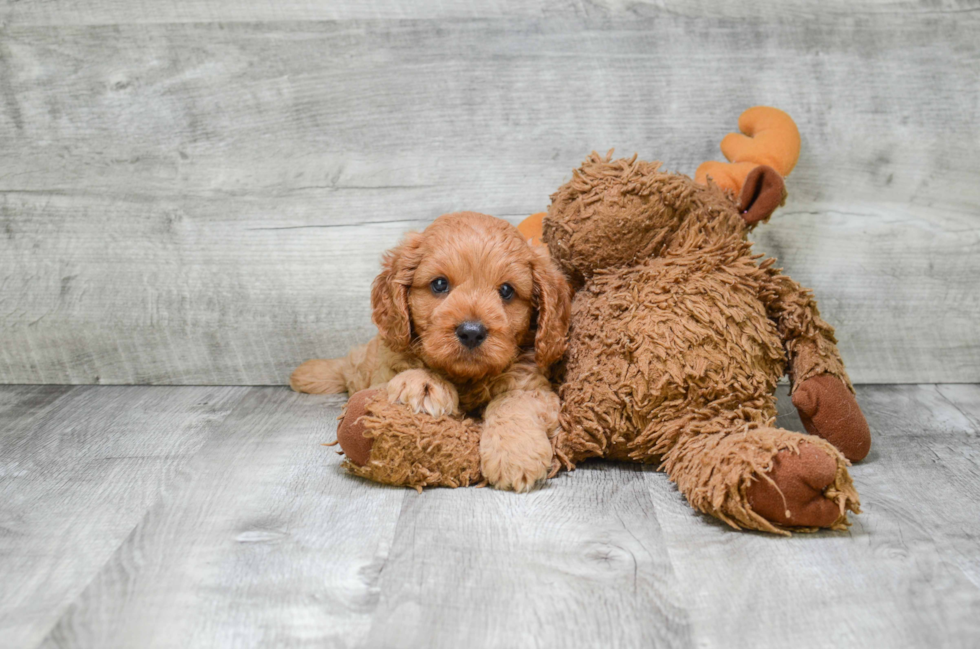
[678, 338]
[470, 318]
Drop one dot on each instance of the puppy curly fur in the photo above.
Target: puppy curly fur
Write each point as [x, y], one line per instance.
[420, 362]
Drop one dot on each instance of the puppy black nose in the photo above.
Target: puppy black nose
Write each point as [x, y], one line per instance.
[471, 333]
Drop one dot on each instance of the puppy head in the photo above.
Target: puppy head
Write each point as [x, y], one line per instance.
[467, 293]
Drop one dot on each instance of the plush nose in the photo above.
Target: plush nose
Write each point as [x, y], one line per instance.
[471, 333]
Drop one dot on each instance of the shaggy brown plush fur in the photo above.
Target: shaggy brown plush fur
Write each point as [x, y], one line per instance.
[411, 449]
[679, 336]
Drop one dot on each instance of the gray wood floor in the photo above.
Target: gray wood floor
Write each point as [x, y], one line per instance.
[212, 516]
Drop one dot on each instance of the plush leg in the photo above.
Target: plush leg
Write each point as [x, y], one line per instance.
[822, 391]
[763, 478]
[392, 444]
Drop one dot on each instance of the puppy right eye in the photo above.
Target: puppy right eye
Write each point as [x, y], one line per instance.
[439, 285]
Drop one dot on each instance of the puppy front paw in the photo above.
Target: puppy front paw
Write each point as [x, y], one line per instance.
[515, 462]
[424, 392]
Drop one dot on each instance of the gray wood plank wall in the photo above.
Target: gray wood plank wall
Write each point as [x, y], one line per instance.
[199, 192]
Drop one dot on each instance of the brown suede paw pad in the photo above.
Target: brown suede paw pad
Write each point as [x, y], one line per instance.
[350, 429]
[795, 496]
[830, 411]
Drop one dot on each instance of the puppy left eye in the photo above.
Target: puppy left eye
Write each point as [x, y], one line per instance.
[439, 285]
[506, 292]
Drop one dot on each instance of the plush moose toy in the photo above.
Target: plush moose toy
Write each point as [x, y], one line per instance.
[679, 335]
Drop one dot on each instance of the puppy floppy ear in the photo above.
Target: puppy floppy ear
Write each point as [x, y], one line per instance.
[389, 293]
[553, 299]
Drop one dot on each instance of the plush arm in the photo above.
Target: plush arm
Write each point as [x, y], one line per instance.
[821, 389]
[811, 347]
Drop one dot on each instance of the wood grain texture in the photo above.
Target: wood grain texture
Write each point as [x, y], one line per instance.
[256, 537]
[78, 469]
[905, 574]
[264, 542]
[115, 12]
[198, 193]
[578, 563]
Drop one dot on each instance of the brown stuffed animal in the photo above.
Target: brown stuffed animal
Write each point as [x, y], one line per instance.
[679, 336]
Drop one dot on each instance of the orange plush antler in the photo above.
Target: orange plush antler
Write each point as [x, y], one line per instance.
[770, 138]
[531, 228]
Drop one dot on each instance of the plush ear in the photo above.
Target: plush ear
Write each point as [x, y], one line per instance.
[762, 193]
[553, 299]
[389, 293]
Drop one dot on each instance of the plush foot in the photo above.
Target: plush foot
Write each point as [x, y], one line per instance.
[829, 410]
[350, 430]
[798, 498]
[392, 444]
